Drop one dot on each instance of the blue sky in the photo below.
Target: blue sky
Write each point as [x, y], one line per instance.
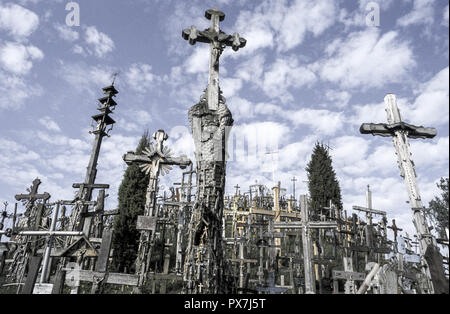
[311, 71]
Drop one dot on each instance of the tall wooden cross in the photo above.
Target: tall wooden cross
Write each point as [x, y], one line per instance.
[154, 160]
[401, 132]
[218, 40]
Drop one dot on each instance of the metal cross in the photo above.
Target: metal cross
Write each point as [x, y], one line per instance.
[218, 40]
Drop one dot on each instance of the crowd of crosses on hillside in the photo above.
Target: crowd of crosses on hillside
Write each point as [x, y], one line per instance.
[194, 238]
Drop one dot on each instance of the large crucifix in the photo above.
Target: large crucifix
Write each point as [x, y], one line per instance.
[154, 160]
[218, 40]
[400, 132]
[210, 122]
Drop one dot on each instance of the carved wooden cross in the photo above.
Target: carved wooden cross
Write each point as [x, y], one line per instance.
[218, 40]
[33, 195]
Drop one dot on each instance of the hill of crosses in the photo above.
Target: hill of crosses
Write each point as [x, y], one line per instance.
[198, 239]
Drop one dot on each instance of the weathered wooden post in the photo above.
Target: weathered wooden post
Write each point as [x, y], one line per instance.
[400, 132]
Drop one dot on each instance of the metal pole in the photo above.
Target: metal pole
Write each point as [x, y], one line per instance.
[48, 249]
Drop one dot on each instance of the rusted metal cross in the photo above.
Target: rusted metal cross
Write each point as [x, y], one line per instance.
[218, 40]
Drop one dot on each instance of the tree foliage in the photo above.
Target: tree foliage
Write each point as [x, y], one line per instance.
[323, 184]
[437, 209]
[131, 204]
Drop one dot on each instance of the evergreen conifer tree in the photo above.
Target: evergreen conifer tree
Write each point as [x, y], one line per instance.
[323, 185]
[437, 209]
[131, 204]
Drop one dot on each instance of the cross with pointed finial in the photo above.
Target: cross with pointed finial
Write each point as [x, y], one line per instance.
[218, 40]
[114, 78]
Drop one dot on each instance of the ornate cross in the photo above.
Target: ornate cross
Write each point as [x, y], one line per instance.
[33, 195]
[154, 160]
[218, 40]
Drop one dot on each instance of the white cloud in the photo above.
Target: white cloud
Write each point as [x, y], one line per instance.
[15, 90]
[339, 99]
[445, 16]
[322, 122]
[284, 74]
[367, 59]
[18, 58]
[230, 86]
[83, 77]
[198, 61]
[431, 107]
[252, 70]
[101, 43]
[283, 24]
[422, 13]
[140, 77]
[49, 124]
[67, 33]
[17, 20]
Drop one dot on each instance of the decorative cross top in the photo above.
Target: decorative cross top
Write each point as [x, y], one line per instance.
[218, 40]
[156, 158]
[33, 195]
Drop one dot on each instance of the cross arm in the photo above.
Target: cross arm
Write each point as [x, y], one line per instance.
[193, 35]
[131, 158]
[183, 162]
[44, 196]
[387, 130]
[369, 210]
